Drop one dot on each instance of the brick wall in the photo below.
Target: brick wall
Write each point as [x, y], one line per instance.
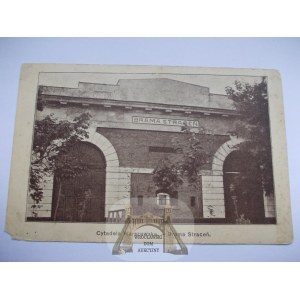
[132, 146]
[142, 185]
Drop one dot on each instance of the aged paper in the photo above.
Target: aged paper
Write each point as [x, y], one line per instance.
[136, 154]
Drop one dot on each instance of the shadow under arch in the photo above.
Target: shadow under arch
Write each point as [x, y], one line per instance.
[80, 197]
[243, 190]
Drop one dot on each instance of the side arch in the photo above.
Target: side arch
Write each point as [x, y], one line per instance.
[105, 146]
[222, 153]
[112, 169]
[81, 198]
[243, 190]
[212, 183]
[117, 184]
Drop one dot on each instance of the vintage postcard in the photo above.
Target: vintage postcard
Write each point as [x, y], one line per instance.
[136, 154]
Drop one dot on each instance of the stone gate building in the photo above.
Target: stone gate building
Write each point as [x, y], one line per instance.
[132, 129]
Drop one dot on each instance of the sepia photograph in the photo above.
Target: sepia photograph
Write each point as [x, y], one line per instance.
[124, 148]
[166, 132]
[147, 143]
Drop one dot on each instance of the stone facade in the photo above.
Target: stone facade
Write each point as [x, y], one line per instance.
[133, 124]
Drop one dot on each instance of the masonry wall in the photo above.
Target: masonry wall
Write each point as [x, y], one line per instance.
[183, 210]
[133, 149]
[116, 117]
[131, 142]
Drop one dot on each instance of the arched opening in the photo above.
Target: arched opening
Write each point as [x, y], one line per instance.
[243, 189]
[80, 197]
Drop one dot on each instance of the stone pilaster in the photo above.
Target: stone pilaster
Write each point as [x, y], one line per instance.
[213, 196]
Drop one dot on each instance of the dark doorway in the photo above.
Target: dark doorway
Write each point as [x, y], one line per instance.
[82, 198]
[243, 190]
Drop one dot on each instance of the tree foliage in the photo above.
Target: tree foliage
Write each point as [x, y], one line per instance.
[52, 143]
[185, 166]
[251, 102]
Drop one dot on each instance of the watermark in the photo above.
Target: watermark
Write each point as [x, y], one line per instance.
[147, 231]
